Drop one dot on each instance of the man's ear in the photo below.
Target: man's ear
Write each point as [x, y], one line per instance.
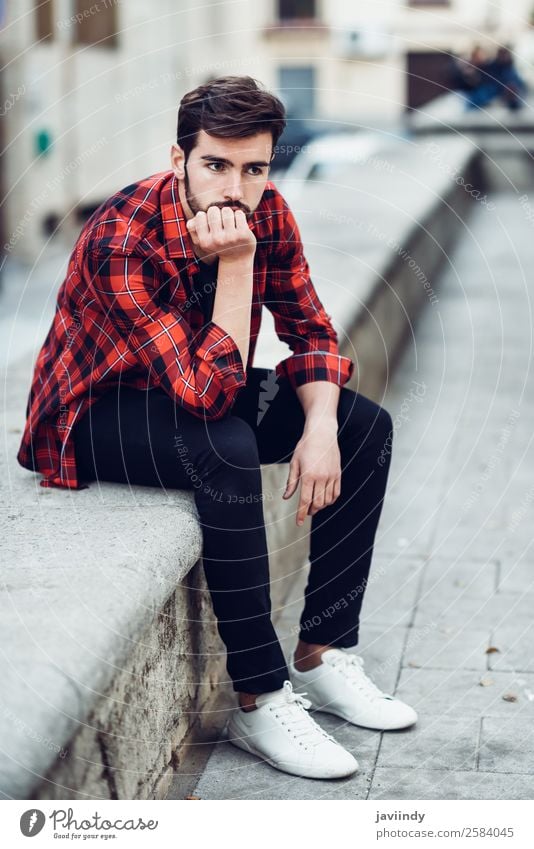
[178, 161]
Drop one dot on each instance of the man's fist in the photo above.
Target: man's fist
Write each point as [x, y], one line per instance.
[222, 232]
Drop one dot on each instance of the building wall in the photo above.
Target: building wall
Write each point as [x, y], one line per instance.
[111, 111]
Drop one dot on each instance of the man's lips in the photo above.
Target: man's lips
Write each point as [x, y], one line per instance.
[246, 210]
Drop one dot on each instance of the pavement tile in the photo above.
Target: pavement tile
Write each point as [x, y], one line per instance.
[458, 691]
[435, 742]
[459, 607]
[517, 575]
[447, 784]
[408, 520]
[514, 641]
[440, 647]
[392, 590]
[448, 578]
[476, 541]
[507, 746]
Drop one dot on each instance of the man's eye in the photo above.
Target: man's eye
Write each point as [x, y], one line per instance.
[217, 167]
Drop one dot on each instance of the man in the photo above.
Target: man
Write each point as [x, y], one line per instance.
[146, 377]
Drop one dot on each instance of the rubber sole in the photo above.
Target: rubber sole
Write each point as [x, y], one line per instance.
[360, 724]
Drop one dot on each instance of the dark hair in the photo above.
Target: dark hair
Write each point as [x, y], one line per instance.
[229, 107]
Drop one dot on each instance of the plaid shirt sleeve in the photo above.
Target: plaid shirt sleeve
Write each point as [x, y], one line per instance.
[299, 316]
[202, 371]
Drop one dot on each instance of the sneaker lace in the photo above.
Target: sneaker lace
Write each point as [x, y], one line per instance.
[293, 713]
[352, 665]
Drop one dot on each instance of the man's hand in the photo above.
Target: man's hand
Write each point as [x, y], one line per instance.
[316, 462]
[222, 232]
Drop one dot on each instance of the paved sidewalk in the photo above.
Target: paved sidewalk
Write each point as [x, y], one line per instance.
[448, 616]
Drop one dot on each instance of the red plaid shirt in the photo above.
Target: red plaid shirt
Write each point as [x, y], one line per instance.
[128, 312]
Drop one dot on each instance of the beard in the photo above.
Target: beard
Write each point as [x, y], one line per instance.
[196, 207]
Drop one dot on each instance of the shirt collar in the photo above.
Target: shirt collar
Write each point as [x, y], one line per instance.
[175, 233]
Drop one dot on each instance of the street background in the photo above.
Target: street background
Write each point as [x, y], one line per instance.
[89, 99]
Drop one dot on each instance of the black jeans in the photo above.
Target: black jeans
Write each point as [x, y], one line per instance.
[143, 437]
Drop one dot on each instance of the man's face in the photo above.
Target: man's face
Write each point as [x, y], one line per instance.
[223, 172]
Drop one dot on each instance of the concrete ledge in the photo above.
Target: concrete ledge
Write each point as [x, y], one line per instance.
[505, 139]
[448, 113]
[109, 645]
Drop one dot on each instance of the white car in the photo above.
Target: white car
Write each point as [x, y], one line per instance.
[326, 156]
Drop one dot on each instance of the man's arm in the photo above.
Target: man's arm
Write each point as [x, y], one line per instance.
[319, 401]
[200, 371]
[316, 460]
[233, 301]
[226, 234]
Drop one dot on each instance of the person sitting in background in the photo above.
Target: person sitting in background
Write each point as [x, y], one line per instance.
[481, 81]
[468, 74]
[511, 85]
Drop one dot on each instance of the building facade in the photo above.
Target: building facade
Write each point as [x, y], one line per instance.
[90, 91]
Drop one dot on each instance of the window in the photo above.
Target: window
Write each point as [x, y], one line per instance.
[296, 87]
[296, 10]
[96, 23]
[43, 19]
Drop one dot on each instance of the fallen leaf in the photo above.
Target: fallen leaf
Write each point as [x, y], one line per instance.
[492, 650]
[510, 697]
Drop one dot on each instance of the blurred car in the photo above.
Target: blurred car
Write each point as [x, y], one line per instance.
[296, 134]
[326, 156]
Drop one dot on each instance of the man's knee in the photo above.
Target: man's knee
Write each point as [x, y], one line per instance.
[384, 422]
[360, 416]
[232, 441]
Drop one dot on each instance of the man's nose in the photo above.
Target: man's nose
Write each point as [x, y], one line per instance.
[234, 190]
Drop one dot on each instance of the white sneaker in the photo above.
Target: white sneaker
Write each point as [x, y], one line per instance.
[281, 731]
[340, 686]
